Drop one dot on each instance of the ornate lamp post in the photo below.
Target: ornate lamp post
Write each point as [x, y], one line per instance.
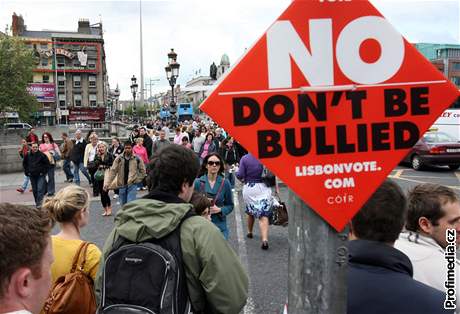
[134, 92]
[172, 73]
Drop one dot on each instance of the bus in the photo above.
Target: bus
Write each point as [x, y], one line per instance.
[164, 113]
[449, 121]
[185, 112]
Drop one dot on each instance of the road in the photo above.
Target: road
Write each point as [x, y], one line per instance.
[267, 269]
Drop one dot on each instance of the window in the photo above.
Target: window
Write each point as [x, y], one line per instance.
[92, 80]
[62, 100]
[44, 46]
[77, 100]
[455, 80]
[91, 64]
[61, 80]
[60, 62]
[47, 105]
[76, 63]
[456, 66]
[44, 62]
[46, 79]
[92, 100]
[76, 81]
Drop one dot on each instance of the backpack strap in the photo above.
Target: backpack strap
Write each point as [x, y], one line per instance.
[81, 251]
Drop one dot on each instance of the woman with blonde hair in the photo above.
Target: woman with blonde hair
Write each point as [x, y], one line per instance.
[70, 208]
[103, 161]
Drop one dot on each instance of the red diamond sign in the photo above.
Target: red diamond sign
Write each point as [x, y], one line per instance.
[330, 99]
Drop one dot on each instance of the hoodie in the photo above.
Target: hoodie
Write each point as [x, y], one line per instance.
[216, 280]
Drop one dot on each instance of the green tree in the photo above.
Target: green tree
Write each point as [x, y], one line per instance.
[16, 65]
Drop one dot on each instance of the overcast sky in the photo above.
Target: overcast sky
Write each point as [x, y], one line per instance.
[201, 31]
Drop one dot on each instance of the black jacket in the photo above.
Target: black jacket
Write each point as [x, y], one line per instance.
[229, 154]
[78, 152]
[103, 164]
[148, 143]
[380, 282]
[35, 164]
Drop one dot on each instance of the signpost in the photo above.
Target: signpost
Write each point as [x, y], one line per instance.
[340, 97]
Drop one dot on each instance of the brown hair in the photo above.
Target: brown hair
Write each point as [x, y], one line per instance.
[24, 234]
[67, 203]
[200, 202]
[426, 200]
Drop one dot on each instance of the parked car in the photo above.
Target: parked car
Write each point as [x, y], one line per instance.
[17, 125]
[435, 149]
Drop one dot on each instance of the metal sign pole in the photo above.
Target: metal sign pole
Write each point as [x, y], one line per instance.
[318, 258]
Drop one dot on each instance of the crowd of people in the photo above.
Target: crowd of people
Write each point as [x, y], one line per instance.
[397, 242]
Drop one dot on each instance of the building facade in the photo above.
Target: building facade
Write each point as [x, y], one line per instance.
[70, 78]
[445, 57]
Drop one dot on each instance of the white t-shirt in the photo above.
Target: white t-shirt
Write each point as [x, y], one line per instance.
[92, 153]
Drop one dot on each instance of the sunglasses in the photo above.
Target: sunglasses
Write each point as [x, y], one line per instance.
[213, 163]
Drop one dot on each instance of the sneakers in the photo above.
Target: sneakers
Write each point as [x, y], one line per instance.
[249, 235]
[20, 190]
[115, 196]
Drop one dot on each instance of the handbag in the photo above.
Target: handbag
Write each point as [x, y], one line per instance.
[280, 215]
[268, 178]
[99, 175]
[73, 292]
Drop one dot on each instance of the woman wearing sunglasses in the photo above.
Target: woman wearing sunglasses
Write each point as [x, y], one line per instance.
[217, 189]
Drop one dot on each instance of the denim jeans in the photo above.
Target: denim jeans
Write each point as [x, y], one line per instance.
[127, 194]
[25, 182]
[67, 167]
[51, 186]
[38, 188]
[76, 172]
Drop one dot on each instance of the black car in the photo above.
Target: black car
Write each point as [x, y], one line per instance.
[435, 149]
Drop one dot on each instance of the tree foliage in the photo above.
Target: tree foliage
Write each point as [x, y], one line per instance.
[16, 65]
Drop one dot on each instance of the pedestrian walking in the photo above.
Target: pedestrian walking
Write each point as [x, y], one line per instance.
[140, 151]
[125, 174]
[23, 151]
[208, 147]
[76, 156]
[134, 134]
[32, 137]
[103, 161]
[88, 160]
[230, 155]
[379, 275]
[217, 189]
[36, 165]
[147, 141]
[116, 149]
[198, 141]
[66, 148]
[70, 208]
[162, 142]
[206, 271]
[51, 150]
[256, 195]
[185, 142]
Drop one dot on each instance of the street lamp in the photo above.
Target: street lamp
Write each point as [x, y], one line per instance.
[116, 96]
[134, 92]
[172, 72]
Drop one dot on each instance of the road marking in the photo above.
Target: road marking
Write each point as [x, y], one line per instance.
[424, 177]
[418, 181]
[243, 252]
[398, 173]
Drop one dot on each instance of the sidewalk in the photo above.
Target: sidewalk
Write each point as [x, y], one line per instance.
[11, 181]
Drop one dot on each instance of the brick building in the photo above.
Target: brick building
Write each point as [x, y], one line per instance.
[70, 78]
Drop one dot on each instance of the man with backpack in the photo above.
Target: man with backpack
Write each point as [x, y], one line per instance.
[161, 257]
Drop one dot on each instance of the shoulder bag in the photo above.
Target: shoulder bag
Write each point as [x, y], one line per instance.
[73, 292]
